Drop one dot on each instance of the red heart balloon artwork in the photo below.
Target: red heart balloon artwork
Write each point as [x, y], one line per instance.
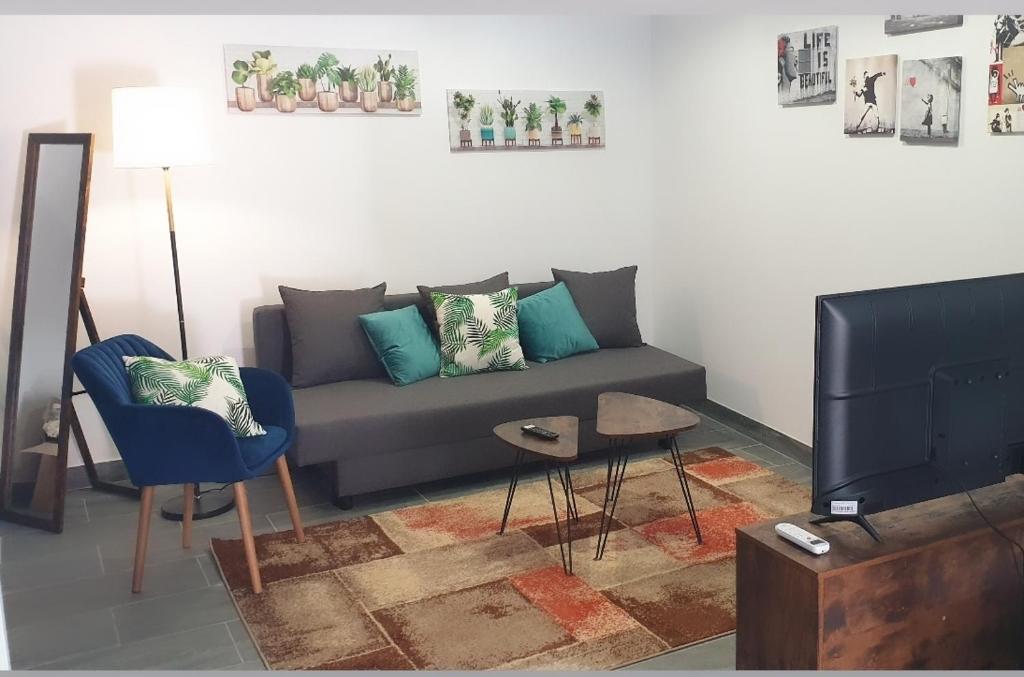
[913, 81]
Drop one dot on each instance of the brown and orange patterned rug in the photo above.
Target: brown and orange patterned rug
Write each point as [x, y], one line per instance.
[434, 587]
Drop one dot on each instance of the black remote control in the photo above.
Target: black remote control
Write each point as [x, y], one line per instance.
[537, 431]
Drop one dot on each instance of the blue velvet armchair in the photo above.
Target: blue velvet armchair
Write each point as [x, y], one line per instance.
[187, 445]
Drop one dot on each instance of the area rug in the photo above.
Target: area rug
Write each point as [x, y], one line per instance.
[434, 587]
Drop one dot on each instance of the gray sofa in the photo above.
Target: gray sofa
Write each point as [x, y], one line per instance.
[370, 434]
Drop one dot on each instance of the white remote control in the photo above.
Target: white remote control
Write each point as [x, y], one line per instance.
[802, 537]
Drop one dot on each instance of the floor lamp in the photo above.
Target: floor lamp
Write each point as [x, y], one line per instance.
[164, 127]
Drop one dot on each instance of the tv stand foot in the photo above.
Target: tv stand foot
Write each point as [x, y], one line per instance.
[860, 520]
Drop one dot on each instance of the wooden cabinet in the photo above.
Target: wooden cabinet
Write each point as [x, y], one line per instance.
[940, 591]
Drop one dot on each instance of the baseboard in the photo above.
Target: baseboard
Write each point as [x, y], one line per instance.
[770, 437]
[108, 471]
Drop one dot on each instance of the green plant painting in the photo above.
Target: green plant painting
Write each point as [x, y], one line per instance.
[464, 105]
[260, 79]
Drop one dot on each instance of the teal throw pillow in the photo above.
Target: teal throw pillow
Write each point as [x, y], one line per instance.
[550, 326]
[403, 343]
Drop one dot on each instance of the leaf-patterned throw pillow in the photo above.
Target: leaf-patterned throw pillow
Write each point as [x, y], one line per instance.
[478, 332]
[211, 383]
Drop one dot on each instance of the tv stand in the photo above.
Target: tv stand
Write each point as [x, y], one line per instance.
[859, 520]
[941, 592]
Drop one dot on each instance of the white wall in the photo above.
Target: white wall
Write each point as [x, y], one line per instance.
[761, 208]
[329, 203]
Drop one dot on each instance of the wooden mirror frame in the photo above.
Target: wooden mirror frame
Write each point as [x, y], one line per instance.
[35, 141]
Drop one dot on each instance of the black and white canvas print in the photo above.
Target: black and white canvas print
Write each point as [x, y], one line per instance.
[871, 92]
[898, 24]
[930, 100]
[807, 66]
[1008, 31]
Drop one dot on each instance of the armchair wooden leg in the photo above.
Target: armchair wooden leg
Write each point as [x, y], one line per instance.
[142, 537]
[245, 520]
[189, 503]
[289, 495]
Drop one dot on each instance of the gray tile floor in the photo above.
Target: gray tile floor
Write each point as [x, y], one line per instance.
[68, 604]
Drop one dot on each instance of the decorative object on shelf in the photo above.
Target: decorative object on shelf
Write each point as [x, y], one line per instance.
[930, 103]
[285, 86]
[317, 80]
[464, 107]
[593, 106]
[164, 127]
[486, 116]
[385, 88]
[556, 107]
[870, 104]
[523, 115]
[899, 24]
[533, 115]
[405, 89]
[1006, 76]
[44, 329]
[807, 65]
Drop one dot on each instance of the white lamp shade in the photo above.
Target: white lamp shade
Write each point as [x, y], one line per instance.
[159, 127]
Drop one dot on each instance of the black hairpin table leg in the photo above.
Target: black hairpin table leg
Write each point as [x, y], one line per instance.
[611, 493]
[513, 483]
[566, 560]
[677, 461]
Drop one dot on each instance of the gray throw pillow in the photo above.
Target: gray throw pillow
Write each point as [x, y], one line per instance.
[489, 286]
[328, 342]
[607, 302]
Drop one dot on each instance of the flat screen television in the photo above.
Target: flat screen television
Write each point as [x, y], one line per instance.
[918, 393]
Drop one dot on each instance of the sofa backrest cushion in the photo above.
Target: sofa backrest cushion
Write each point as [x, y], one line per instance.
[272, 335]
[328, 343]
[492, 284]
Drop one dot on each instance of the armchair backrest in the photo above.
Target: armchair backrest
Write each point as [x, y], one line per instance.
[101, 369]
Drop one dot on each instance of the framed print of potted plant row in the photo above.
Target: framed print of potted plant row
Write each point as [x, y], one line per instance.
[321, 80]
[496, 120]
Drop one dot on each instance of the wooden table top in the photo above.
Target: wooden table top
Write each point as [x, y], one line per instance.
[565, 448]
[902, 529]
[633, 417]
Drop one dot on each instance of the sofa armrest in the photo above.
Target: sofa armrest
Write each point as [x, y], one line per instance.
[175, 445]
[270, 397]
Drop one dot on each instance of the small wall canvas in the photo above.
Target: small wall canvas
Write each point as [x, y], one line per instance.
[321, 80]
[807, 66]
[870, 95]
[930, 101]
[898, 24]
[500, 120]
[1006, 92]
[1007, 31]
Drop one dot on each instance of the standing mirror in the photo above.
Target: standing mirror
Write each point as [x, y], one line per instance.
[44, 329]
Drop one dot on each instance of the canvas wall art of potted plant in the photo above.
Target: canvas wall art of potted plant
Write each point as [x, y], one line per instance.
[533, 115]
[593, 106]
[366, 78]
[464, 107]
[405, 89]
[556, 107]
[349, 90]
[509, 115]
[245, 96]
[326, 71]
[575, 129]
[306, 75]
[285, 87]
[486, 117]
[263, 66]
[385, 88]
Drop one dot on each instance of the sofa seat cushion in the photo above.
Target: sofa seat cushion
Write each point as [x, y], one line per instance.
[372, 416]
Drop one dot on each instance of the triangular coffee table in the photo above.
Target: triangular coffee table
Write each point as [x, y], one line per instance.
[559, 453]
[624, 418]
